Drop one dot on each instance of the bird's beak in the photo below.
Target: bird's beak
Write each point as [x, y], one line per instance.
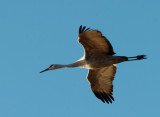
[45, 70]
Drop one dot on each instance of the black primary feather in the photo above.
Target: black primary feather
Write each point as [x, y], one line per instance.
[104, 97]
[80, 28]
[84, 29]
[98, 95]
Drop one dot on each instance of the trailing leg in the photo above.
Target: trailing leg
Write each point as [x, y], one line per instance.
[139, 57]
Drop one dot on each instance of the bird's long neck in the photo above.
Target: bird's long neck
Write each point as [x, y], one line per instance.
[79, 63]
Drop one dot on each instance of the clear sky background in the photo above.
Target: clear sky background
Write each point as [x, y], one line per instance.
[37, 33]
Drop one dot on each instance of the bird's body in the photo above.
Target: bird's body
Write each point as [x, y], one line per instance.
[89, 63]
[99, 58]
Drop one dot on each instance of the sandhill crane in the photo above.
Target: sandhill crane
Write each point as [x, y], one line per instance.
[100, 60]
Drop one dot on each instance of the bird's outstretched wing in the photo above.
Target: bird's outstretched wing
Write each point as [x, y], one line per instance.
[101, 82]
[94, 43]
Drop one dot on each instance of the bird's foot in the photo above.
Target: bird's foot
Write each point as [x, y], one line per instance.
[139, 57]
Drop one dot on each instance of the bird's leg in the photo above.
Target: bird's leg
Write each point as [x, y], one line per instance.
[139, 57]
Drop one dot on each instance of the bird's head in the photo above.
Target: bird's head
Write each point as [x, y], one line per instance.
[51, 67]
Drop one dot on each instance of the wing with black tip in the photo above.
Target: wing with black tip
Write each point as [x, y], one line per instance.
[94, 43]
[101, 82]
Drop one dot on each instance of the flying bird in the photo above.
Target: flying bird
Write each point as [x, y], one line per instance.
[100, 60]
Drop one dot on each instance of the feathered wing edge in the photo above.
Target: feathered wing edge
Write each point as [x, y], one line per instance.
[84, 29]
[104, 97]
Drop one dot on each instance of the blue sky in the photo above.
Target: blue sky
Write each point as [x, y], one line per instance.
[37, 33]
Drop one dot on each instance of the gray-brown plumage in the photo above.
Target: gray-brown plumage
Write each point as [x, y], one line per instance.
[100, 60]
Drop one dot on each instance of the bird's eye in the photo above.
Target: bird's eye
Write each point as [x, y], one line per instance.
[51, 66]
